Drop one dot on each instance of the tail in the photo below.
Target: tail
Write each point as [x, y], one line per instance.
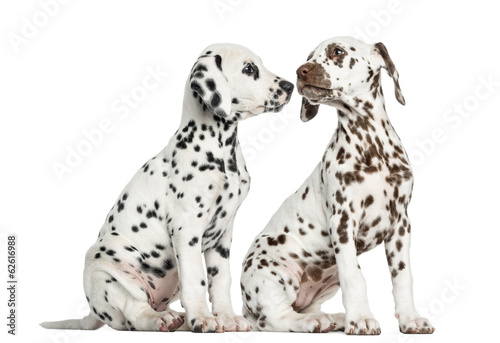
[89, 322]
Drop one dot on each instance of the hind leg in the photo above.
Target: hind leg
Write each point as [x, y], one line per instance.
[141, 317]
[268, 298]
[315, 307]
[113, 304]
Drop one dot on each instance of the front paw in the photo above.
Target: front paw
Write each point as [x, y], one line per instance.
[205, 323]
[362, 326]
[414, 325]
[233, 323]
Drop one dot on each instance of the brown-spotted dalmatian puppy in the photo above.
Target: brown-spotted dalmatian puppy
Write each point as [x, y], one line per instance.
[180, 204]
[355, 199]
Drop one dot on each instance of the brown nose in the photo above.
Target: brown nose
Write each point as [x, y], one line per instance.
[304, 70]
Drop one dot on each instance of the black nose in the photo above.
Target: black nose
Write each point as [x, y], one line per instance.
[287, 86]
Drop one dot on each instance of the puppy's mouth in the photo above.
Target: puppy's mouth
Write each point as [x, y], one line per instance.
[275, 107]
[312, 92]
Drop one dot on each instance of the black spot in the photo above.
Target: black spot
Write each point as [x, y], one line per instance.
[181, 145]
[235, 101]
[223, 252]
[218, 62]
[193, 241]
[151, 214]
[211, 84]
[188, 177]
[108, 317]
[168, 264]
[216, 100]
[197, 88]
[212, 271]
[158, 272]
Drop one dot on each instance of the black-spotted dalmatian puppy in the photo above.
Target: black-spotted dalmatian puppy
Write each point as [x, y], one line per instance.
[180, 204]
[355, 199]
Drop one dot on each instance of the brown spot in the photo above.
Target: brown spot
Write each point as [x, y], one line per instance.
[339, 198]
[340, 155]
[281, 239]
[311, 226]
[271, 241]
[369, 201]
[352, 177]
[390, 256]
[399, 245]
[351, 63]
[370, 169]
[342, 229]
[302, 232]
[293, 255]
[301, 220]
[314, 272]
[305, 253]
[401, 265]
[248, 264]
[304, 195]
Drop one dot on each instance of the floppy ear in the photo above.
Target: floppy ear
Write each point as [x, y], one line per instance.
[380, 50]
[308, 111]
[209, 83]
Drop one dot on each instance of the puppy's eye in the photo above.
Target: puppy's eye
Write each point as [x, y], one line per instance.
[249, 70]
[338, 52]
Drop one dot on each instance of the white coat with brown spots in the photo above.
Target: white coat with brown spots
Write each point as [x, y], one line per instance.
[355, 199]
[181, 204]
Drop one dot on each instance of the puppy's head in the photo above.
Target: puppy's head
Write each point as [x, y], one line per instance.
[347, 65]
[231, 81]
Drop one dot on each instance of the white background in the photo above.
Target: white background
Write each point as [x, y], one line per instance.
[78, 62]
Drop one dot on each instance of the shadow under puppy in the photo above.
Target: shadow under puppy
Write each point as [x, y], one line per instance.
[355, 199]
[181, 204]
